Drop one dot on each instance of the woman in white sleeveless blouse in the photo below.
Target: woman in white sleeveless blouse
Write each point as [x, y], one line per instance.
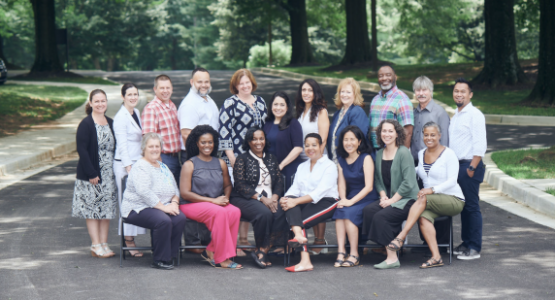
[312, 113]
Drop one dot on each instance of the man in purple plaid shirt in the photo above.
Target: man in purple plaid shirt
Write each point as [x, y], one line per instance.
[390, 103]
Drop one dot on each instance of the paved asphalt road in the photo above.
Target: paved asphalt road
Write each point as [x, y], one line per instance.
[44, 252]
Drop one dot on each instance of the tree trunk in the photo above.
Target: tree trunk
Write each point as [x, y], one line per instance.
[2, 56]
[46, 53]
[374, 36]
[301, 51]
[544, 90]
[358, 43]
[270, 41]
[501, 66]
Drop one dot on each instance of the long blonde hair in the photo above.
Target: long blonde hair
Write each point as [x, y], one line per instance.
[359, 101]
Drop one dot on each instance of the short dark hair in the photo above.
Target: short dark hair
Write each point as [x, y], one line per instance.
[127, 86]
[364, 146]
[462, 80]
[198, 69]
[286, 120]
[162, 77]
[401, 135]
[193, 138]
[318, 103]
[249, 136]
[388, 65]
[314, 135]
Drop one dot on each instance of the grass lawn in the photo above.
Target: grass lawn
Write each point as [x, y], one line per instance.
[527, 164]
[22, 106]
[504, 102]
[88, 80]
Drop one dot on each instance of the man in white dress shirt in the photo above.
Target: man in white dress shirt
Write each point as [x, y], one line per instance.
[467, 137]
[197, 108]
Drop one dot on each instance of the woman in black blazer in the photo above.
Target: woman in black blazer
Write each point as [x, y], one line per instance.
[95, 193]
[258, 186]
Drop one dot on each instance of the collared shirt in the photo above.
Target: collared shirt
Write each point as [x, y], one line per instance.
[162, 118]
[432, 112]
[393, 105]
[467, 133]
[319, 183]
[195, 110]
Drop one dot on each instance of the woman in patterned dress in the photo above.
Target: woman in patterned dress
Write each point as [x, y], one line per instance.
[240, 112]
[95, 193]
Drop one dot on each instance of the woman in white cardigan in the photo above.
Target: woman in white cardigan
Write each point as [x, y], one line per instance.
[438, 168]
[127, 128]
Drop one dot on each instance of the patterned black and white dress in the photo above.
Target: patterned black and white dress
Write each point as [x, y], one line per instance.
[236, 117]
[98, 201]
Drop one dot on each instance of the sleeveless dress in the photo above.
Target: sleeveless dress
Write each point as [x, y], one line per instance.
[98, 201]
[354, 177]
[309, 127]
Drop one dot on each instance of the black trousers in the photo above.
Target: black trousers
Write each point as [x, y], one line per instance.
[442, 227]
[382, 225]
[166, 231]
[310, 214]
[267, 226]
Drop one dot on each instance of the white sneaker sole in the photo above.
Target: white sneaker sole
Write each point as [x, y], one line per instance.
[463, 257]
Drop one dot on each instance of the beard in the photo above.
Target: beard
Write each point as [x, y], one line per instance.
[387, 87]
[459, 104]
[201, 94]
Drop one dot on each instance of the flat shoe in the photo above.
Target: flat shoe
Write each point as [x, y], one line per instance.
[161, 265]
[384, 265]
[294, 243]
[231, 266]
[432, 263]
[300, 269]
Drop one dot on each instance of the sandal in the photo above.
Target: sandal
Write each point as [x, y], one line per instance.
[394, 247]
[432, 263]
[318, 241]
[339, 262]
[136, 254]
[348, 263]
[99, 252]
[205, 256]
[232, 266]
[257, 260]
[107, 251]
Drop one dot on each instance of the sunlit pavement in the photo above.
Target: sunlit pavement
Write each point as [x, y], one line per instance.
[44, 251]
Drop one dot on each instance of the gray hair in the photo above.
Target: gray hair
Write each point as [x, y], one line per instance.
[149, 136]
[431, 124]
[423, 83]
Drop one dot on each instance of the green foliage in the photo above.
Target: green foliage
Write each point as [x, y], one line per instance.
[281, 53]
[18, 32]
[527, 164]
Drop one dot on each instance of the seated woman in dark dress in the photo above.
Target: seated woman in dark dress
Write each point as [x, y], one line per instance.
[395, 180]
[356, 190]
[311, 199]
[258, 186]
[205, 190]
[285, 135]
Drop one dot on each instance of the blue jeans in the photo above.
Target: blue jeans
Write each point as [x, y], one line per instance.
[471, 216]
[173, 164]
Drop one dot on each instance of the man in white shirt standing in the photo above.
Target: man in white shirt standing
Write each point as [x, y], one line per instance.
[197, 108]
[467, 137]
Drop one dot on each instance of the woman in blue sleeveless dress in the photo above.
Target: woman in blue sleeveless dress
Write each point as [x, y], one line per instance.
[356, 190]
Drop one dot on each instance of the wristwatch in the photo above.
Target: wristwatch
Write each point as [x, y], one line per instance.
[471, 168]
[433, 190]
[259, 197]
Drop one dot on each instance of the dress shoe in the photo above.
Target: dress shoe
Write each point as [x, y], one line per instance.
[161, 265]
[299, 269]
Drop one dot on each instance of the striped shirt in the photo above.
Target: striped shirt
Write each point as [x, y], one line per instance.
[393, 105]
[161, 118]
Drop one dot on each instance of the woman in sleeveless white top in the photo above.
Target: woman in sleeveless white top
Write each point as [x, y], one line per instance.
[309, 127]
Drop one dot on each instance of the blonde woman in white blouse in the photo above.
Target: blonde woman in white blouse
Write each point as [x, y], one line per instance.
[438, 168]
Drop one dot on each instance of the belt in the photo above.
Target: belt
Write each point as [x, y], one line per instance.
[117, 159]
[463, 161]
[175, 154]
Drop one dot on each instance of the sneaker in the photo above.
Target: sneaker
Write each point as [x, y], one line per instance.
[460, 249]
[469, 255]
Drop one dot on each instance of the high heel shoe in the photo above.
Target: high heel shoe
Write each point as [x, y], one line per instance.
[99, 252]
[107, 251]
[138, 253]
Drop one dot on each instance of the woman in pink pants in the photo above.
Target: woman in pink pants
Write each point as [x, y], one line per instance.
[205, 188]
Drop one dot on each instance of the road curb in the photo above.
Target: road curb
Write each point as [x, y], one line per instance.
[374, 87]
[518, 190]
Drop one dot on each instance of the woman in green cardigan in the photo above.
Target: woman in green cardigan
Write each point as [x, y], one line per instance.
[395, 181]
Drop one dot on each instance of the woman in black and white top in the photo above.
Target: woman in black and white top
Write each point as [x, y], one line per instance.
[151, 200]
[438, 168]
[258, 186]
[311, 199]
[127, 127]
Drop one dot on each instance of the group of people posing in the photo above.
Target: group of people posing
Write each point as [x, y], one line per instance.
[282, 167]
